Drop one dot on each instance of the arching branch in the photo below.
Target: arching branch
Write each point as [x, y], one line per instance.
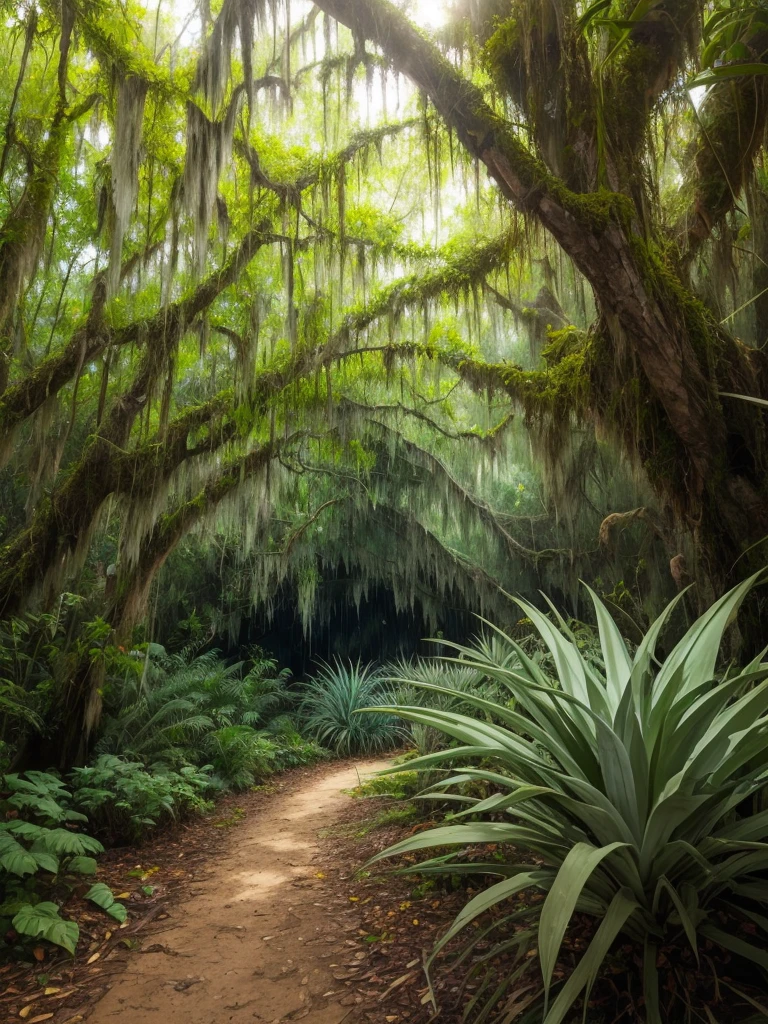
[90, 340]
[595, 230]
[169, 529]
[405, 410]
[484, 511]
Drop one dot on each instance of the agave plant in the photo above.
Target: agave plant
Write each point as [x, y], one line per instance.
[631, 794]
[456, 678]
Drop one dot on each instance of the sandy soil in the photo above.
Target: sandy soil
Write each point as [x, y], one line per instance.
[254, 942]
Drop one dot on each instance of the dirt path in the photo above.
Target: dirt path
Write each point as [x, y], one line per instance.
[254, 942]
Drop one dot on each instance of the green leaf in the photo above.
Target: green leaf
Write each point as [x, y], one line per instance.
[685, 920]
[46, 860]
[713, 76]
[457, 835]
[489, 898]
[82, 865]
[736, 945]
[593, 12]
[651, 982]
[118, 911]
[44, 921]
[618, 664]
[62, 842]
[575, 872]
[101, 895]
[746, 398]
[621, 908]
[14, 858]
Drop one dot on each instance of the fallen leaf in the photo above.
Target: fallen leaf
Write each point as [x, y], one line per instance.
[51, 990]
[26, 1011]
[396, 984]
[353, 899]
[92, 959]
[41, 1016]
[123, 896]
[39, 953]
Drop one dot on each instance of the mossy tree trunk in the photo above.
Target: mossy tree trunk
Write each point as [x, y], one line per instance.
[705, 455]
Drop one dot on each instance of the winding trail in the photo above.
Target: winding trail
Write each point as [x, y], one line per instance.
[255, 942]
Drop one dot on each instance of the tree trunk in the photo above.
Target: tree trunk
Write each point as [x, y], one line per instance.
[664, 339]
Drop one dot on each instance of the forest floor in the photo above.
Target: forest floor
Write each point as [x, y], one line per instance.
[257, 913]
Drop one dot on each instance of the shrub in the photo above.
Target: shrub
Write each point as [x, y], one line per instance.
[634, 793]
[331, 701]
[167, 715]
[292, 750]
[240, 755]
[39, 844]
[124, 800]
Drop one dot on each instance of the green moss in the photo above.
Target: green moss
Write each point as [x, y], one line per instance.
[502, 57]
[562, 389]
[562, 343]
[398, 786]
[557, 392]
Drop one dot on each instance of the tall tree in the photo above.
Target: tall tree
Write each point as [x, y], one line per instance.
[253, 281]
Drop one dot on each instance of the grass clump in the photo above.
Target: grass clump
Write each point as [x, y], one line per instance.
[331, 702]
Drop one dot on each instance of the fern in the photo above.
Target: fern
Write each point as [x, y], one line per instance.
[187, 696]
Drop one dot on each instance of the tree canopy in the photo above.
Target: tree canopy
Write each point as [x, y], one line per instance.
[459, 298]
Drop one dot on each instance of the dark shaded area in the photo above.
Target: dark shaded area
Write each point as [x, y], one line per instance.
[373, 631]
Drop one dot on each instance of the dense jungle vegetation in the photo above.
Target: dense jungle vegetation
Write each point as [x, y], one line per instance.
[327, 326]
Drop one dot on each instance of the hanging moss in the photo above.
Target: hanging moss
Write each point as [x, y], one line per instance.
[125, 159]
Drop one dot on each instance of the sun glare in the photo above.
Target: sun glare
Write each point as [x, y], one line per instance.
[429, 14]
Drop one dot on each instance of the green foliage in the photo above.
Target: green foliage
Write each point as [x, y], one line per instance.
[191, 723]
[39, 844]
[370, 319]
[124, 800]
[330, 704]
[166, 713]
[729, 36]
[634, 791]
[43, 921]
[458, 679]
[240, 755]
[103, 897]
